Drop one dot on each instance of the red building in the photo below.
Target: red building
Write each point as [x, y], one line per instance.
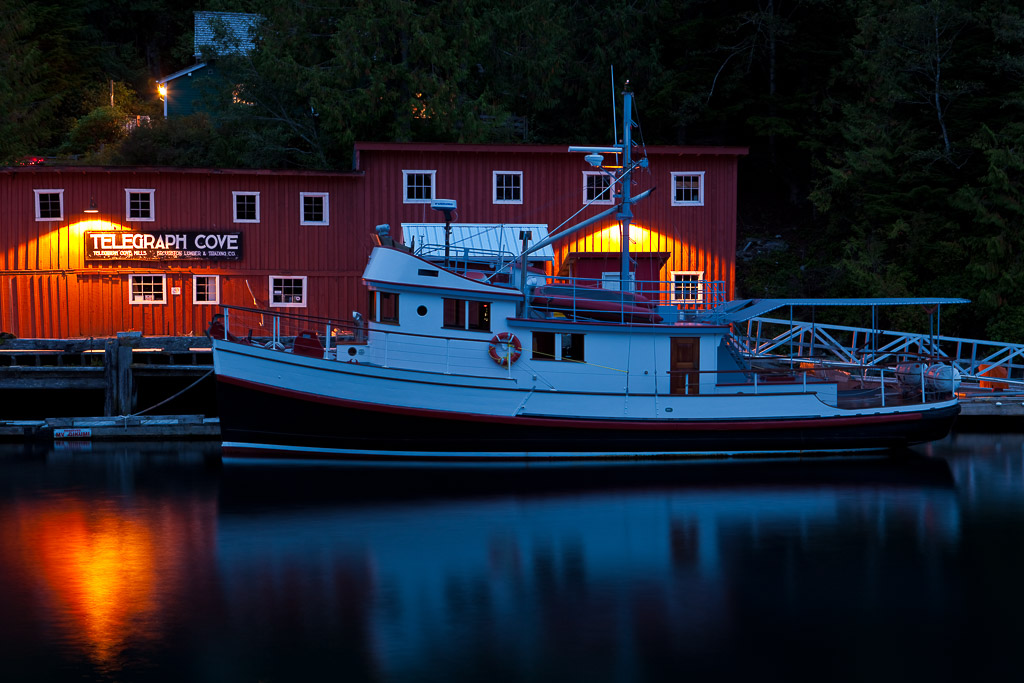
[91, 251]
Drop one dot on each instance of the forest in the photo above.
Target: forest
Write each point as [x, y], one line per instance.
[886, 137]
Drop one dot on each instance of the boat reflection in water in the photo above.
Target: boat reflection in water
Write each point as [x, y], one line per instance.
[137, 565]
[581, 572]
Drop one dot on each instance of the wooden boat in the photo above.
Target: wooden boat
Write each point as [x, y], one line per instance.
[502, 366]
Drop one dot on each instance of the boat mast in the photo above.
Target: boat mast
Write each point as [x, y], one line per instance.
[626, 212]
[623, 147]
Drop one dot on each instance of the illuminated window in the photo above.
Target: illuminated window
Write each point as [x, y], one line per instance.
[247, 207]
[688, 189]
[314, 208]
[205, 289]
[418, 186]
[238, 95]
[49, 205]
[687, 286]
[148, 289]
[508, 187]
[288, 291]
[597, 188]
[139, 204]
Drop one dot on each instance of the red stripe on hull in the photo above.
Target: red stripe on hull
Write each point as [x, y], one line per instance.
[257, 414]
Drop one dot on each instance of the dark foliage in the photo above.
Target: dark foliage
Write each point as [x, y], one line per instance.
[885, 143]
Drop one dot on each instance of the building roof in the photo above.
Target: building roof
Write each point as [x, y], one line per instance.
[485, 242]
[226, 32]
[183, 72]
[174, 170]
[680, 150]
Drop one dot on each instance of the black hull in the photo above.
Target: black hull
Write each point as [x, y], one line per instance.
[270, 424]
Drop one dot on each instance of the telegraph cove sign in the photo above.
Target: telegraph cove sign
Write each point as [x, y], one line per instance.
[163, 246]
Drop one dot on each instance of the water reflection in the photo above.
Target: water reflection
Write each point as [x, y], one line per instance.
[98, 557]
[603, 571]
[152, 563]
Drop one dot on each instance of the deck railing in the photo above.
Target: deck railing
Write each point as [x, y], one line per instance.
[597, 298]
[976, 359]
[857, 385]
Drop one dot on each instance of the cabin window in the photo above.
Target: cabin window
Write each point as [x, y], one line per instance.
[314, 208]
[467, 315]
[688, 188]
[388, 307]
[139, 204]
[288, 291]
[508, 187]
[206, 289]
[49, 205]
[543, 346]
[454, 313]
[597, 188]
[247, 207]
[554, 346]
[148, 289]
[418, 186]
[572, 347]
[687, 287]
[479, 316]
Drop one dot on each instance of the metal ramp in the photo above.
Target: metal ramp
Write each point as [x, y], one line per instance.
[977, 359]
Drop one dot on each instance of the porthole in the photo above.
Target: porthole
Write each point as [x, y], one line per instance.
[352, 351]
[422, 310]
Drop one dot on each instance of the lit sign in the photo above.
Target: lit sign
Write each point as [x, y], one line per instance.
[163, 246]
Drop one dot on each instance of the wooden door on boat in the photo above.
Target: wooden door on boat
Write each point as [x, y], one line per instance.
[685, 378]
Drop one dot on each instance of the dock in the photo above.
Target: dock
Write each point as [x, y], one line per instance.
[125, 428]
[1009, 406]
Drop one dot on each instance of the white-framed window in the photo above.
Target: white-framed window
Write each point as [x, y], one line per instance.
[560, 347]
[246, 207]
[206, 289]
[49, 205]
[612, 280]
[148, 289]
[597, 188]
[314, 208]
[138, 204]
[417, 186]
[507, 187]
[688, 188]
[288, 291]
[687, 286]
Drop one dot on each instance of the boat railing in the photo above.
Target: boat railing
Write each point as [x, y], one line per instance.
[992, 365]
[462, 258]
[857, 386]
[280, 330]
[667, 301]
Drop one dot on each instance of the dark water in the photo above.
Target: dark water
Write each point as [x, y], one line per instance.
[154, 563]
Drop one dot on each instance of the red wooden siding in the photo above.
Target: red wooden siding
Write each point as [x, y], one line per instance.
[696, 237]
[48, 289]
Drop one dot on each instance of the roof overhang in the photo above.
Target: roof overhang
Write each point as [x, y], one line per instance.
[742, 310]
[179, 74]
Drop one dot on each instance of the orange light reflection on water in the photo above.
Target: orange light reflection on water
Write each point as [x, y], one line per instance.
[101, 570]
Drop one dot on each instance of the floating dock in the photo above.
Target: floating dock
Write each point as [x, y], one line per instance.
[140, 428]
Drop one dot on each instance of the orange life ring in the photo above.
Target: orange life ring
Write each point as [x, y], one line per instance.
[513, 349]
